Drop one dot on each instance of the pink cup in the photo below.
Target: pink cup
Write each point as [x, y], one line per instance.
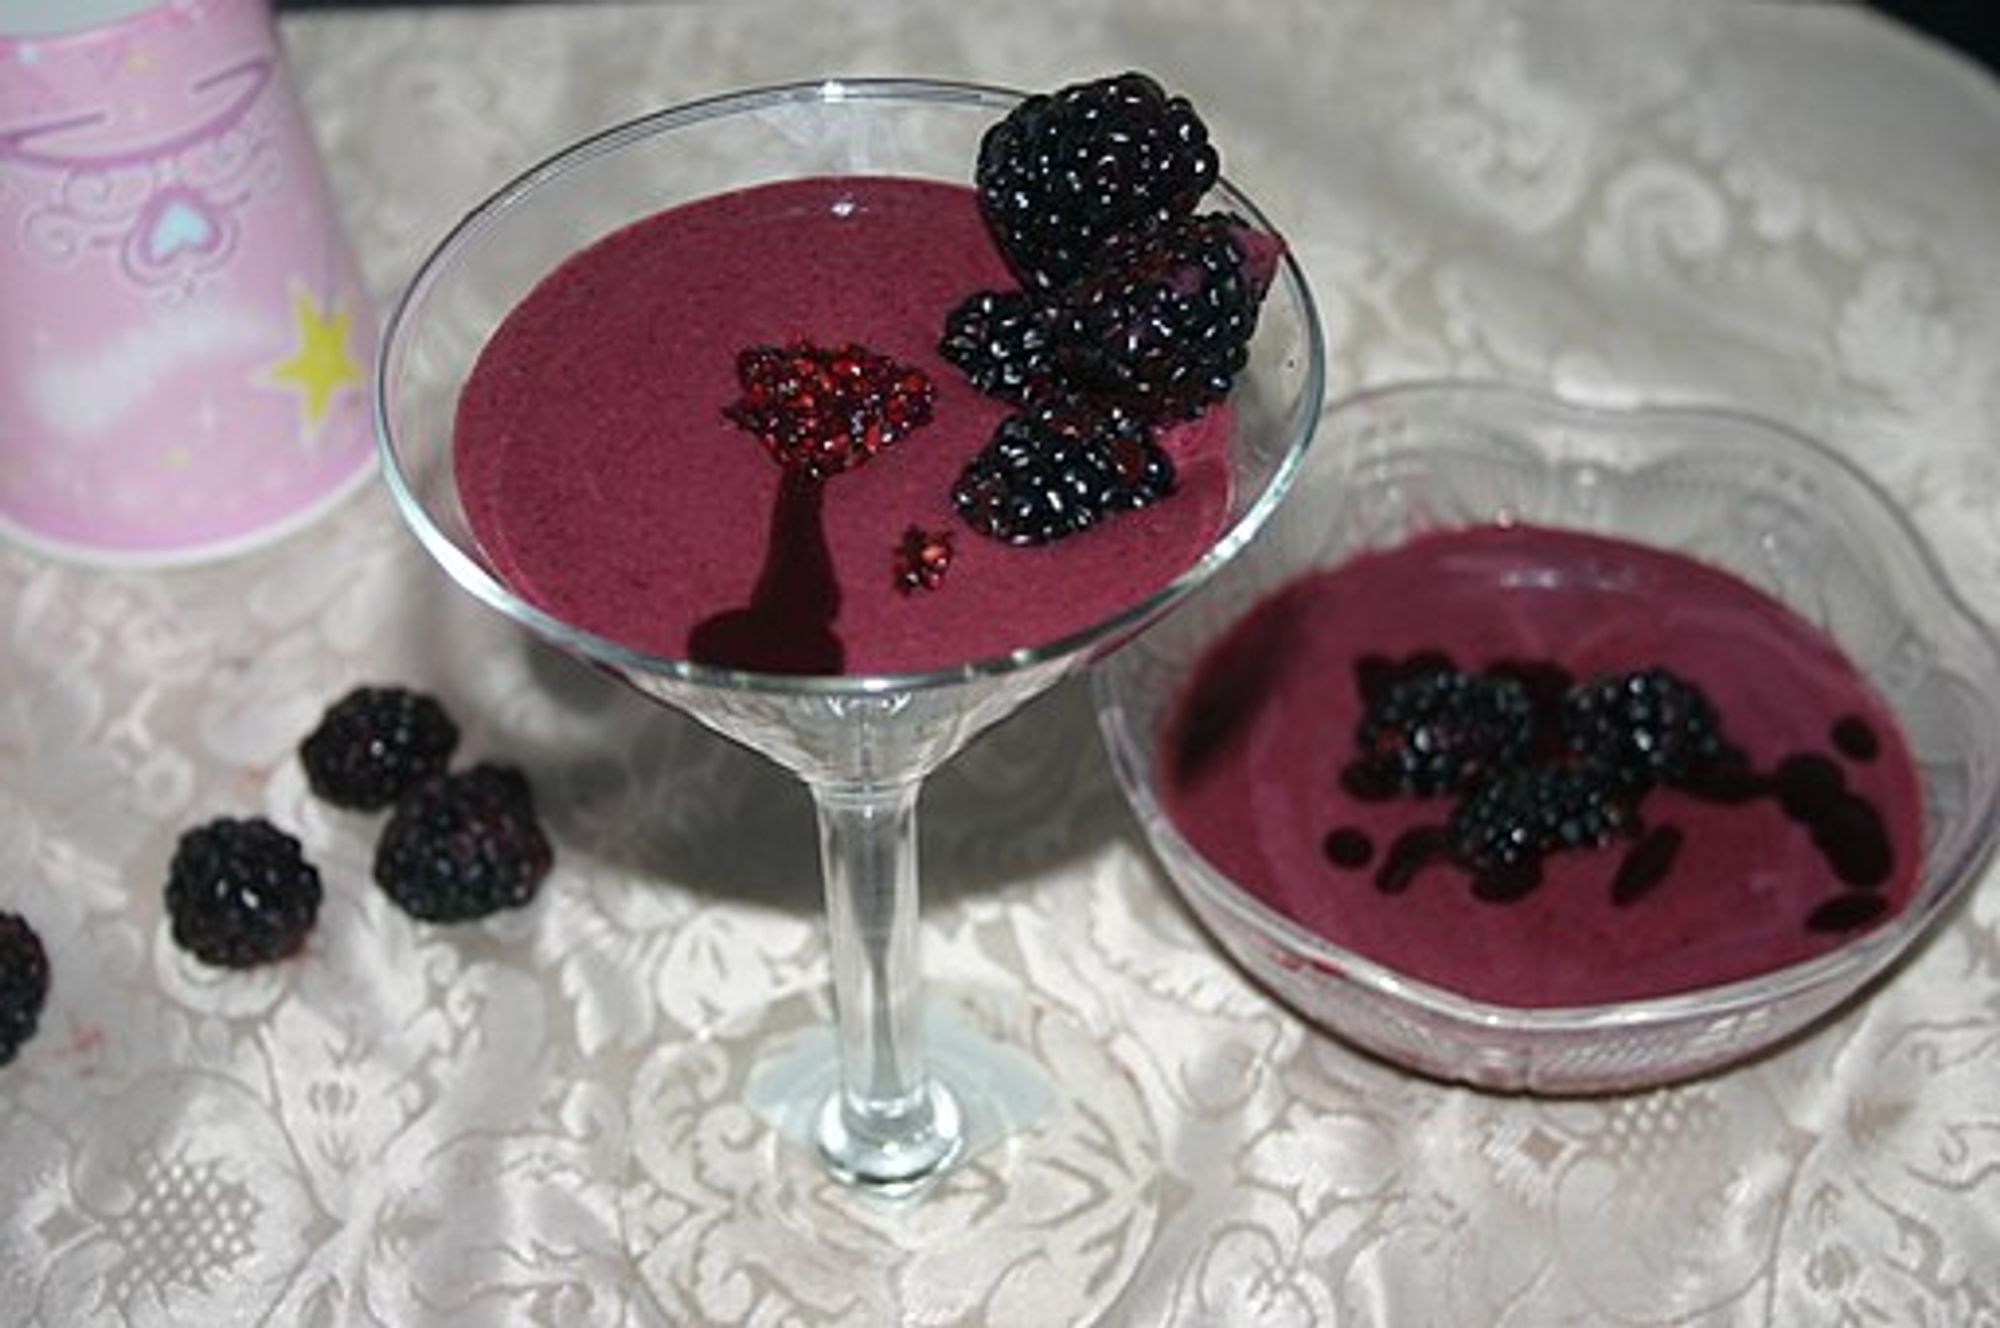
[184, 339]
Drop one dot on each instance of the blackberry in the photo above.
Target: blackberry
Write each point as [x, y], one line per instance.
[1443, 731]
[240, 893]
[463, 846]
[1005, 342]
[1648, 727]
[1065, 171]
[1526, 812]
[374, 743]
[1059, 468]
[1163, 323]
[24, 983]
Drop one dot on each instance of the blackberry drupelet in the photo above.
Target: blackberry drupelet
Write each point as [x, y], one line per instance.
[375, 743]
[1163, 322]
[1443, 731]
[921, 559]
[1004, 342]
[1526, 812]
[1647, 728]
[463, 846]
[240, 893]
[1058, 468]
[1065, 171]
[24, 983]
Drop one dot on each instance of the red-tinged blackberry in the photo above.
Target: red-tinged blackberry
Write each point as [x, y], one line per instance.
[1163, 322]
[1005, 342]
[1526, 812]
[922, 558]
[1065, 171]
[240, 893]
[821, 410]
[463, 846]
[24, 983]
[1648, 727]
[1059, 468]
[374, 744]
[1443, 731]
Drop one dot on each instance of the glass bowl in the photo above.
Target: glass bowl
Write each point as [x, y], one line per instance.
[1778, 511]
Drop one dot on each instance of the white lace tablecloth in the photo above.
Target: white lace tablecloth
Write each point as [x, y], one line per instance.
[1786, 208]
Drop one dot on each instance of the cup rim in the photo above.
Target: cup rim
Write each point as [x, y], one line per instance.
[485, 586]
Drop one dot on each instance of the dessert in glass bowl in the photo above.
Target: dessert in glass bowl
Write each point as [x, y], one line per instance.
[770, 407]
[1566, 749]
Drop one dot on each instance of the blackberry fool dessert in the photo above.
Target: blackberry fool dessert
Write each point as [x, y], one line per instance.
[874, 425]
[1550, 788]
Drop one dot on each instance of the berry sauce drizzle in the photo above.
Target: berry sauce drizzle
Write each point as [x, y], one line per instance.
[787, 627]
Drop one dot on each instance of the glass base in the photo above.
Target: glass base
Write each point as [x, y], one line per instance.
[894, 1170]
[733, 1213]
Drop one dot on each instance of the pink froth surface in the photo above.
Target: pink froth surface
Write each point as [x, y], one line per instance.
[1277, 705]
[606, 485]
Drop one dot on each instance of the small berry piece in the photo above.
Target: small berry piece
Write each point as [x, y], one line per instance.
[1059, 468]
[1443, 731]
[922, 559]
[821, 410]
[1163, 322]
[1521, 814]
[463, 846]
[1648, 727]
[24, 983]
[240, 893]
[1005, 341]
[374, 744]
[1065, 171]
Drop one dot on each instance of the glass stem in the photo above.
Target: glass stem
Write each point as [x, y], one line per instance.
[888, 1125]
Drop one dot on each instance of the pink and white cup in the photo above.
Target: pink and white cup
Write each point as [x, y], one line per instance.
[184, 339]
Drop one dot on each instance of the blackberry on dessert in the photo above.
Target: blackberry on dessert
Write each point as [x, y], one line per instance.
[463, 846]
[240, 893]
[24, 983]
[1065, 171]
[1524, 813]
[1162, 322]
[1058, 468]
[1441, 731]
[1646, 727]
[1006, 342]
[375, 743]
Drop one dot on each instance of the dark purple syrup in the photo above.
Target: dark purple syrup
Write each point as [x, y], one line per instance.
[787, 627]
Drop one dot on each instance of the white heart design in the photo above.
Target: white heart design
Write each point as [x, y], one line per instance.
[180, 227]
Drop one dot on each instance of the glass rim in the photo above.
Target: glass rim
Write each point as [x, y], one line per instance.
[471, 576]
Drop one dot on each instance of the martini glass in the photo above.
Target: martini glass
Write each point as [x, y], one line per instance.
[887, 1101]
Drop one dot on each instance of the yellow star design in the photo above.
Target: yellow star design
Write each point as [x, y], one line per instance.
[321, 364]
